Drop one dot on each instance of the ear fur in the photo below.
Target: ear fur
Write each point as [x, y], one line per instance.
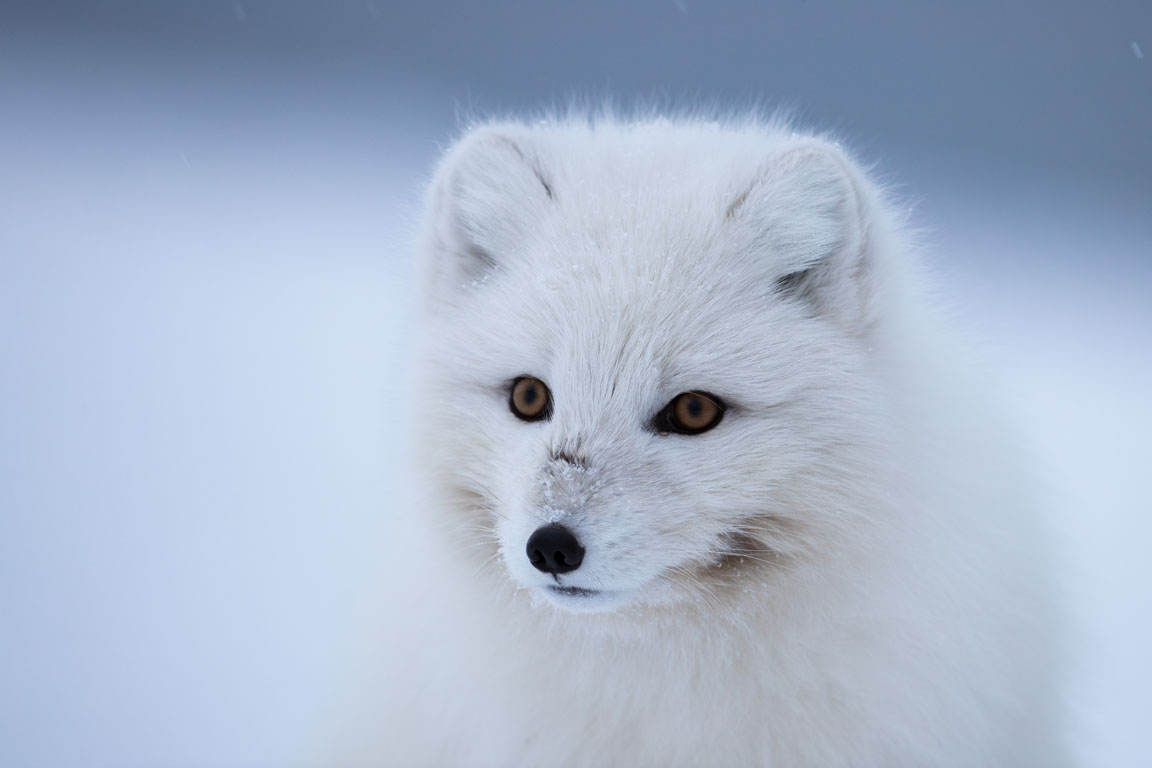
[806, 212]
[487, 194]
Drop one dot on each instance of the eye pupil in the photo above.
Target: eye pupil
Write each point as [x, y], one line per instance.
[695, 407]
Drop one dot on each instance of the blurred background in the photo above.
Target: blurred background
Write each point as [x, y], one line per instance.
[205, 310]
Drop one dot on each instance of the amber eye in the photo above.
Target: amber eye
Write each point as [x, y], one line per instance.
[530, 399]
[690, 413]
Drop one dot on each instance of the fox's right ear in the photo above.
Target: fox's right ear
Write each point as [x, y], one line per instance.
[488, 192]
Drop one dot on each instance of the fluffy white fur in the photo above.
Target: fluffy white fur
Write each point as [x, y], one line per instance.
[843, 572]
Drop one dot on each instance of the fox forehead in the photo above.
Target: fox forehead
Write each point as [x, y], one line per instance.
[591, 340]
[645, 289]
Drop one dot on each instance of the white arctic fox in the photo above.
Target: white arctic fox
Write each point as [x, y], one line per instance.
[708, 485]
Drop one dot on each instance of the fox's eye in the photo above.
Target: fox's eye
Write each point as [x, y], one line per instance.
[690, 413]
[530, 399]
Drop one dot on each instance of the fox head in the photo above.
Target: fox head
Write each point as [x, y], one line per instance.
[648, 369]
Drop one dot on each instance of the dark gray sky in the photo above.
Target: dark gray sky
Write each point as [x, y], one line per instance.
[1054, 85]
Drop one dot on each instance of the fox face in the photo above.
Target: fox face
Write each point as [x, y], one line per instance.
[648, 361]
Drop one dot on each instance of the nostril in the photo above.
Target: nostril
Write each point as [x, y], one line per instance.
[554, 549]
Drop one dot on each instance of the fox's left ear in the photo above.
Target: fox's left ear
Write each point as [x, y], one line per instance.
[488, 192]
[806, 214]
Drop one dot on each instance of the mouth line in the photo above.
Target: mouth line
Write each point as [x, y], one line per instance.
[573, 591]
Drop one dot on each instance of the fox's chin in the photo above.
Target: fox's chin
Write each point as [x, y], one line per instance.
[583, 600]
[574, 599]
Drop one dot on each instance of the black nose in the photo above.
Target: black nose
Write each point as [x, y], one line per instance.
[553, 549]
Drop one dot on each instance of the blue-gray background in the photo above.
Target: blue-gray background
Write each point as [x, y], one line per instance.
[204, 310]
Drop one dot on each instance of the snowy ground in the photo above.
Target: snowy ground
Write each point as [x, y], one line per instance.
[204, 323]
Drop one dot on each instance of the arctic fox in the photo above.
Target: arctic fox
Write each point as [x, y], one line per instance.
[709, 484]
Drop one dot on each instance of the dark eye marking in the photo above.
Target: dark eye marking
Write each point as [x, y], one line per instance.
[689, 413]
[529, 399]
